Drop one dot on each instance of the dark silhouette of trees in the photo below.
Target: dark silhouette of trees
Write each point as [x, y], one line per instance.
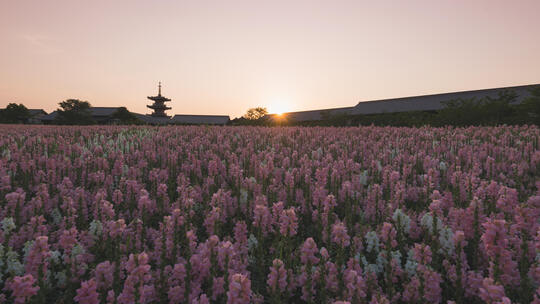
[255, 113]
[530, 107]
[125, 117]
[485, 111]
[14, 113]
[74, 112]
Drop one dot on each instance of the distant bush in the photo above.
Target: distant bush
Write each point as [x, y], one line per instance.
[14, 113]
[74, 112]
[255, 113]
[124, 117]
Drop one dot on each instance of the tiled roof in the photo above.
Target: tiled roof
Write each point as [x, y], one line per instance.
[432, 102]
[152, 120]
[405, 104]
[34, 112]
[103, 111]
[201, 119]
[49, 117]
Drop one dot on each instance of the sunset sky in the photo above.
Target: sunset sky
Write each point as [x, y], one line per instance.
[223, 57]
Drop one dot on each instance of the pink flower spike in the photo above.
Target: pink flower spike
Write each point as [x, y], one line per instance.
[22, 288]
[239, 290]
[87, 294]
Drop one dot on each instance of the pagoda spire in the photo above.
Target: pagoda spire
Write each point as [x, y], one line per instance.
[159, 106]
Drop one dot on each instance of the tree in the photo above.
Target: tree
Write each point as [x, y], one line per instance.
[255, 113]
[14, 113]
[74, 112]
[124, 116]
[530, 107]
[499, 110]
[461, 112]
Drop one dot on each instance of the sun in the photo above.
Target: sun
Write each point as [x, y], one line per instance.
[278, 107]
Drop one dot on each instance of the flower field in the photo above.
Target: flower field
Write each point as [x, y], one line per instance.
[269, 215]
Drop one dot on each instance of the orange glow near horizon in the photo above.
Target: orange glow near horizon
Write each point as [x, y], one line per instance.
[278, 107]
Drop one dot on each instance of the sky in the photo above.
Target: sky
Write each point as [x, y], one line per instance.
[224, 57]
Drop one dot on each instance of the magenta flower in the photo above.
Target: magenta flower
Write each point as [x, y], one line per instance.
[262, 218]
[355, 285]
[116, 228]
[22, 288]
[432, 284]
[239, 289]
[308, 251]
[104, 274]
[411, 292]
[37, 258]
[176, 294]
[422, 253]
[203, 299]
[331, 279]
[277, 278]
[459, 239]
[388, 234]
[502, 264]
[218, 287]
[87, 294]
[339, 235]
[490, 292]
[176, 281]
[136, 281]
[288, 222]
[494, 237]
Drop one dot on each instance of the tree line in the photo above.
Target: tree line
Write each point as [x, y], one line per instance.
[70, 112]
[487, 111]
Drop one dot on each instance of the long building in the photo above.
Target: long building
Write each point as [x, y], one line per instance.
[201, 119]
[101, 115]
[104, 115]
[432, 102]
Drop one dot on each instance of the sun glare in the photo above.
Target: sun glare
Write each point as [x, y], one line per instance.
[278, 107]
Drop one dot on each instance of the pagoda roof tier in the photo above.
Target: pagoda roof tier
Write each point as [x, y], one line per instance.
[158, 98]
[159, 107]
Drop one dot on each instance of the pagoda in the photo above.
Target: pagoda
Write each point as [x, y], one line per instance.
[159, 106]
